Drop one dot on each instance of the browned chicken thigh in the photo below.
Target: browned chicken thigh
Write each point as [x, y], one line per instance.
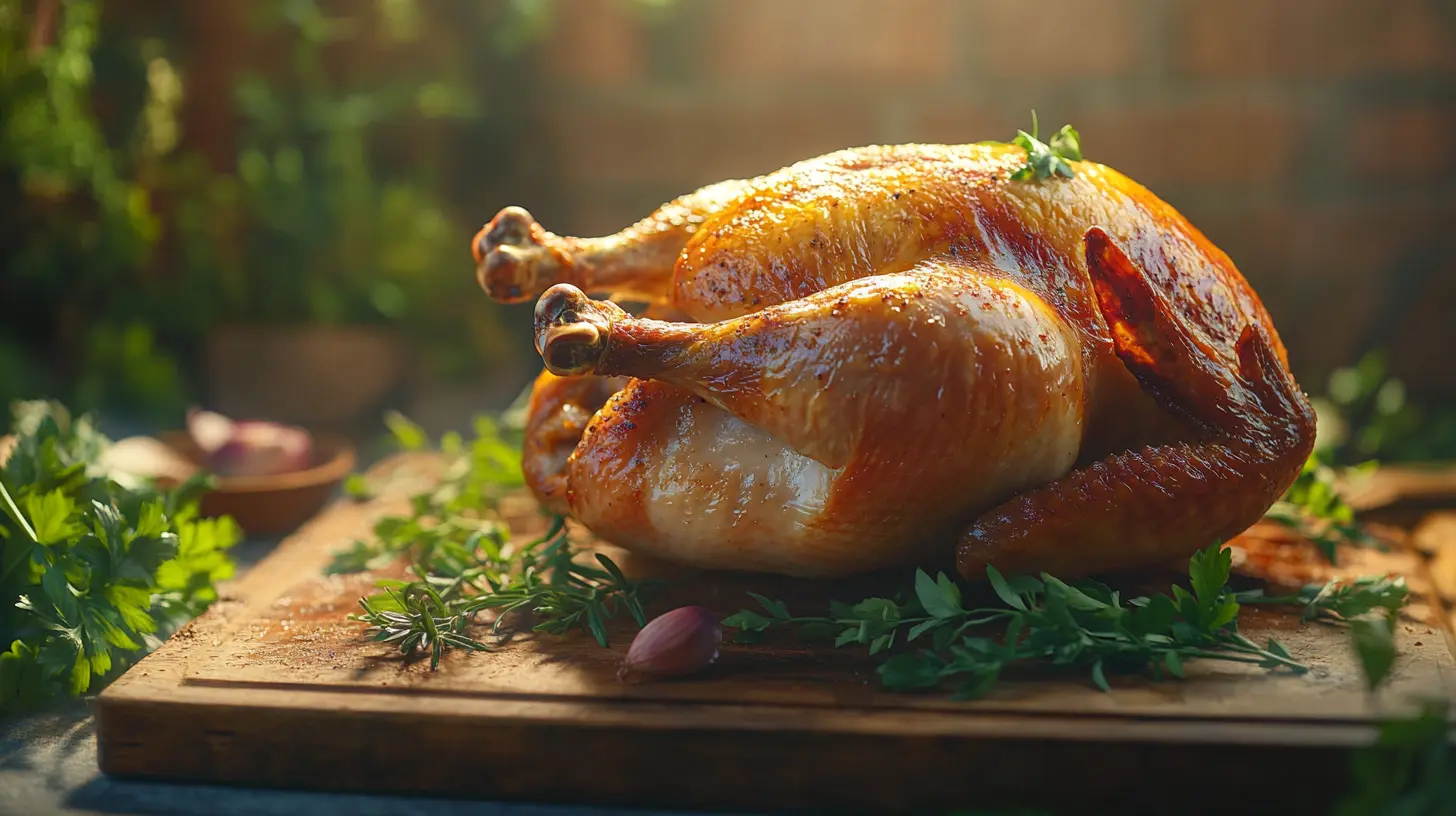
[892, 354]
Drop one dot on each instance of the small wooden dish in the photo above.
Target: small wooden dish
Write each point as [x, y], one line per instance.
[273, 505]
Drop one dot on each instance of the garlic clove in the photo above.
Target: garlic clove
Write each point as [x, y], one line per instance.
[676, 643]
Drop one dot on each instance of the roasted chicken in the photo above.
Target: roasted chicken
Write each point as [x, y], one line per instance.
[889, 355]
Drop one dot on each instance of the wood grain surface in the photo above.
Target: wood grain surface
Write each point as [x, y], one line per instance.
[273, 686]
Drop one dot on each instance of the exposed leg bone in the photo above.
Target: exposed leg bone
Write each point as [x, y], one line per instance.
[517, 259]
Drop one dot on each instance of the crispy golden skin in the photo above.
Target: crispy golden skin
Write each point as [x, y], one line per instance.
[893, 353]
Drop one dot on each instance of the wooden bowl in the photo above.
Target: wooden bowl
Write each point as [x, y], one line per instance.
[273, 505]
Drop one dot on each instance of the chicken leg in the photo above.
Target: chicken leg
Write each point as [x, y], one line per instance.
[812, 437]
[875, 381]
[556, 417]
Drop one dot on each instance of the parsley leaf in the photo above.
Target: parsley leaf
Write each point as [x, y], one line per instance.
[1411, 768]
[1314, 509]
[1047, 159]
[1373, 636]
[1370, 606]
[52, 515]
[1341, 599]
[1066, 143]
[92, 573]
[407, 434]
[941, 598]
[1047, 620]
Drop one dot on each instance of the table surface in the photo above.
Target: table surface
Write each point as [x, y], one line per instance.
[48, 765]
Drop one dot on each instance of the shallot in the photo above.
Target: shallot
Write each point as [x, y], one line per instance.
[248, 447]
[679, 642]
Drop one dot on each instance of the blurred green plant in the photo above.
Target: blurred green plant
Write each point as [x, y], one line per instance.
[338, 208]
[1314, 508]
[125, 246]
[1366, 416]
[1410, 769]
[320, 233]
[77, 226]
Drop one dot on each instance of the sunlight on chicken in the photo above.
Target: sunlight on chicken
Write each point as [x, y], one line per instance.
[899, 355]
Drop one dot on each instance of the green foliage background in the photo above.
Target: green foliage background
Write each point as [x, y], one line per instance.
[369, 141]
[124, 246]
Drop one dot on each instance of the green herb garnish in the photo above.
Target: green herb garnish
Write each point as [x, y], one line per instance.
[1340, 599]
[1314, 509]
[1410, 769]
[1049, 158]
[92, 574]
[442, 521]
[1368, 604]
[463, 564]
[1046, 620]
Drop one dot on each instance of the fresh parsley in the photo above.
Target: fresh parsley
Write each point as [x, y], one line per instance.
[1046, 620]
[1313, 508]
[92, 574]
[1369, 604]
[463, 502]
[1410, 768]
[1049, 158]
[1341, 599]
[463, 563]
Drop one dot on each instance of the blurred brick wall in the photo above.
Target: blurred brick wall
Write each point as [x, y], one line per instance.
[1314, 140]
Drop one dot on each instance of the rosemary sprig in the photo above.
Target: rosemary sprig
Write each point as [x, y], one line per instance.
[463, 563]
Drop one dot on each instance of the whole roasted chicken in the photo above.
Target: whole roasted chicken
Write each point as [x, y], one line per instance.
[886, 355]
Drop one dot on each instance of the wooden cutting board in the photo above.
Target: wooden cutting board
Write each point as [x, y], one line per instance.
[274, 687]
